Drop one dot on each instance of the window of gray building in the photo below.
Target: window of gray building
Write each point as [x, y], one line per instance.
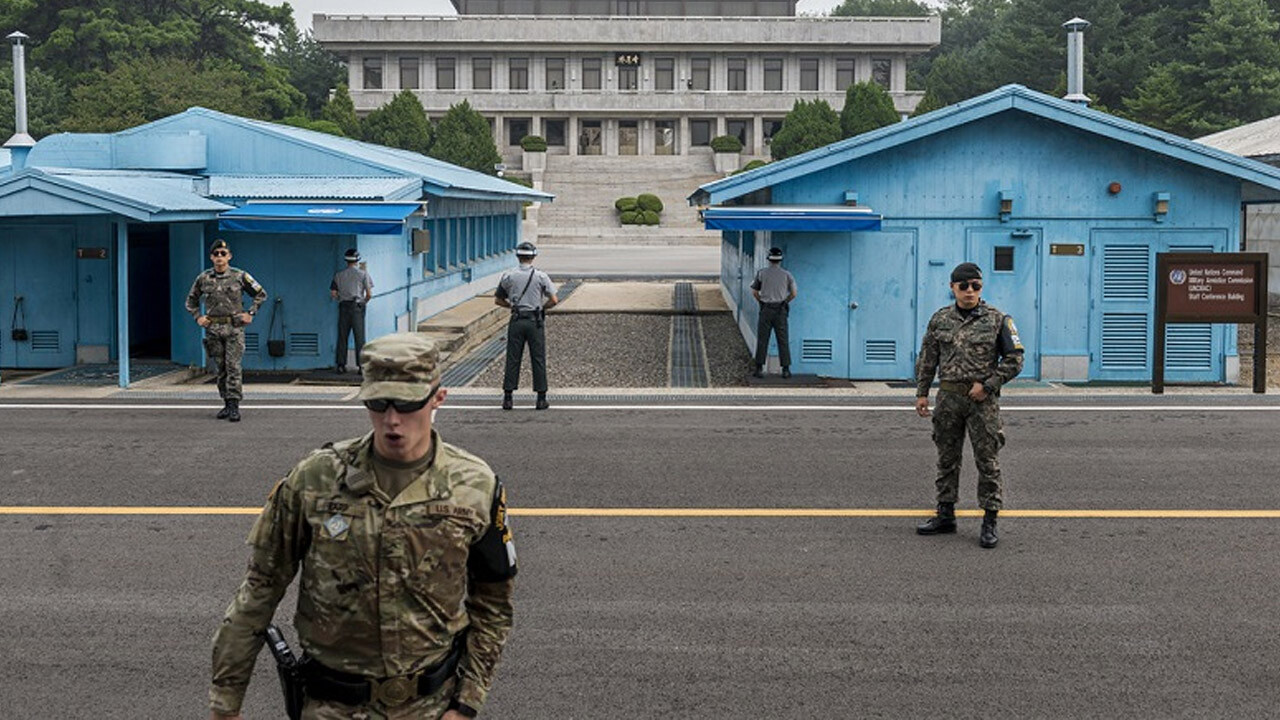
[555, 131]
[482, 73]
[700, 75]
[666, 8]
[769, 128]
[628, 77]
[372, 73]
[409, 73]
[703, 8]
[517, 128]
[591, 73]
[772, 74]
[844, 73]
[741, 129]
[664, 74]
[737, 74]
[555, 74]
[664, 137]
[700, 132]
[519, 73]
[446, 73]
[881, 71]
[809, 74]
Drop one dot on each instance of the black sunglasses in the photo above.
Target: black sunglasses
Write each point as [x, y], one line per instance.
[966, 284]
[404, 407]
[219, 253]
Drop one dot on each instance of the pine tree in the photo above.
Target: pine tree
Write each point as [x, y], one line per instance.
[809, 125]
[401, 123]
[342, 112]
[867, 106]
[463, 138]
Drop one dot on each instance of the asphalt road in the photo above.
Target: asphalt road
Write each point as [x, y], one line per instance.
[725, 617]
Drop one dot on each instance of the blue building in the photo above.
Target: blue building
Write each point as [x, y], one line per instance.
[1063, 207]
[101, 235]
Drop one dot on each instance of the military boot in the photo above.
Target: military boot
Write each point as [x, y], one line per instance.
[507, 402]
[225, 411]
[989, 538]
[233, 410]
[542, 403]
[943, 522]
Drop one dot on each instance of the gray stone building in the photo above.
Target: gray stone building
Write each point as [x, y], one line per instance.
[625, 77]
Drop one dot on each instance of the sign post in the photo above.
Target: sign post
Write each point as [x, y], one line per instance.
[1212, 288]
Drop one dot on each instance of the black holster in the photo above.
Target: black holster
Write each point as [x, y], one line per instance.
[287, 667]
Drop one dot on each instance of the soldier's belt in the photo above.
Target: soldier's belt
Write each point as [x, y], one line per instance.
[324, 683]
[219, 319]
[960, 388]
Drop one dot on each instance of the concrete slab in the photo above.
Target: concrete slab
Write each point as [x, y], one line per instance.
[615, 297]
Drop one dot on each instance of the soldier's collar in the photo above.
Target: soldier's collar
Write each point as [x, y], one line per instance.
[358, 459]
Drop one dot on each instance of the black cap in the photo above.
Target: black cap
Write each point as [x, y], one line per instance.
[526, 249]
[352, 255]
[219, 245]
[966, 271]
[775, 253]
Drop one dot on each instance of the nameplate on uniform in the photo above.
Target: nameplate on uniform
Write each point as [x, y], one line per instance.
[1073, 249]
[450, 510]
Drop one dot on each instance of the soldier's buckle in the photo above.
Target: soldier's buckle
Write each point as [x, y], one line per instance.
[395, 691]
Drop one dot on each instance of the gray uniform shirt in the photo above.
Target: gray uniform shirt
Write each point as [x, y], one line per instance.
[774, 284]
[351, 283]
[512, 284]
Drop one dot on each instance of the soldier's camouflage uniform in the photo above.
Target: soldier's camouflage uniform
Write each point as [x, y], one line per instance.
[224, 336]
[980, 345]
[386, 594]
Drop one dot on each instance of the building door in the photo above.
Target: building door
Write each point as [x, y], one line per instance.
[882, 305]
[1011, 280]
[628, 137]
[149, 306]
[38, 265]
[664, 137]
[590, 139]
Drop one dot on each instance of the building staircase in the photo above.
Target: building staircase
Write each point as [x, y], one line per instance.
[586, 187]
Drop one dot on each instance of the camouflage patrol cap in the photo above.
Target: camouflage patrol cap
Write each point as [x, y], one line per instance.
[401, 366]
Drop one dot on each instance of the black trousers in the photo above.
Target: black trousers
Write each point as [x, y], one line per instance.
[773, 317]
[350, 321]
[526, 330]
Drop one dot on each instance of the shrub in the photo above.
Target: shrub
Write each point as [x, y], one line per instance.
[649, 217]
[628, 217]
[623, 204]
[649, 201]
[750, 166]
[533, 143]
[726, 144]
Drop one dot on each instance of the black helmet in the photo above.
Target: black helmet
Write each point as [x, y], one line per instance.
[526, 249]
[352, 255]
[775, 253]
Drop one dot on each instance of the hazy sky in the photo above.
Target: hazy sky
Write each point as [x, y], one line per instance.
[303, 9]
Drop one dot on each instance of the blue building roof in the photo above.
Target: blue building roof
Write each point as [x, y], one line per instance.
[319, 188]
[139, 195]
[1260, 182]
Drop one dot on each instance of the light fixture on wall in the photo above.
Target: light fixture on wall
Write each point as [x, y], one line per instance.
[1006, 205]
[850, 198]
[1161, 201]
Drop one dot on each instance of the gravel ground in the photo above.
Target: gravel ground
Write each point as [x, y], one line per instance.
[597, 350]
[1244, 339]
[728, 358]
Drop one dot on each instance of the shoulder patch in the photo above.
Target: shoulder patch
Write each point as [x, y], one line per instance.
[1013, 332]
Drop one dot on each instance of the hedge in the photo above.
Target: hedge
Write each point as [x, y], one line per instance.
[726, 144]
[533, 143]
[649, 201]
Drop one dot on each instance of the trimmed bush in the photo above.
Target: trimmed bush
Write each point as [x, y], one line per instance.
[623, 204]
[726, 144]
[649, 217]
[533, 143]
[628, 217]
[751, 166]
[649, 201]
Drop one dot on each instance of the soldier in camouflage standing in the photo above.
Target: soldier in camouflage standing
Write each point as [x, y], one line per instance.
[407, 562]
[223, 320]
[974, 349]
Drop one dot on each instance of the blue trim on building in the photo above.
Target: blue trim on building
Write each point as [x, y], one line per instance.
[320, 218]
[791, 217]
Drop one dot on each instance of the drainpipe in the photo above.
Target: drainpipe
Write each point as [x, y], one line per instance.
[21, 143]
[1075, 60]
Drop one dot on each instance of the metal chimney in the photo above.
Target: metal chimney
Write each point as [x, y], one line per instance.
[21, 143]
[1075, 60]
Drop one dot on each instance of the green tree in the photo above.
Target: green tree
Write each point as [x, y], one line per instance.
[401, 123]
[46, 103]
[463, 138]
[342, 112]
[311, 69]
[809, 125]
[867, 106]
[881, 8]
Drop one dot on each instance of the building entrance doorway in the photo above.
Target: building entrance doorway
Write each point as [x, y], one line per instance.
[628, 137]
[589, 139]
[149, 304]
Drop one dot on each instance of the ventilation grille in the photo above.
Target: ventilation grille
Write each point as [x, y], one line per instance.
[1188, 347]
[815, 350]
[1126, 272]
[1124, 341]
[881, 351]
[251, 344]
[46, 341]
[304, 344]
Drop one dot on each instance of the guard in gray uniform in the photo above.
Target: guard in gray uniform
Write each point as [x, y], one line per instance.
[974, 349]
[528, 292]
[352, 288]
[223, 320]
[774, 288]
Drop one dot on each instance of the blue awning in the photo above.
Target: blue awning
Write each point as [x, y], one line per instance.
[803, 218]
[320, 218]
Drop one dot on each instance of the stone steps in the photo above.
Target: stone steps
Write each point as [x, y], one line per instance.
[459, 329]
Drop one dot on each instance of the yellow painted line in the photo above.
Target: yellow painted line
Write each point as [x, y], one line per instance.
[685, 512]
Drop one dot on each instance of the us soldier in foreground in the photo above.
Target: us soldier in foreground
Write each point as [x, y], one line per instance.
[407, 563]
[529, 293]
[974, 349]
[223, 321]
